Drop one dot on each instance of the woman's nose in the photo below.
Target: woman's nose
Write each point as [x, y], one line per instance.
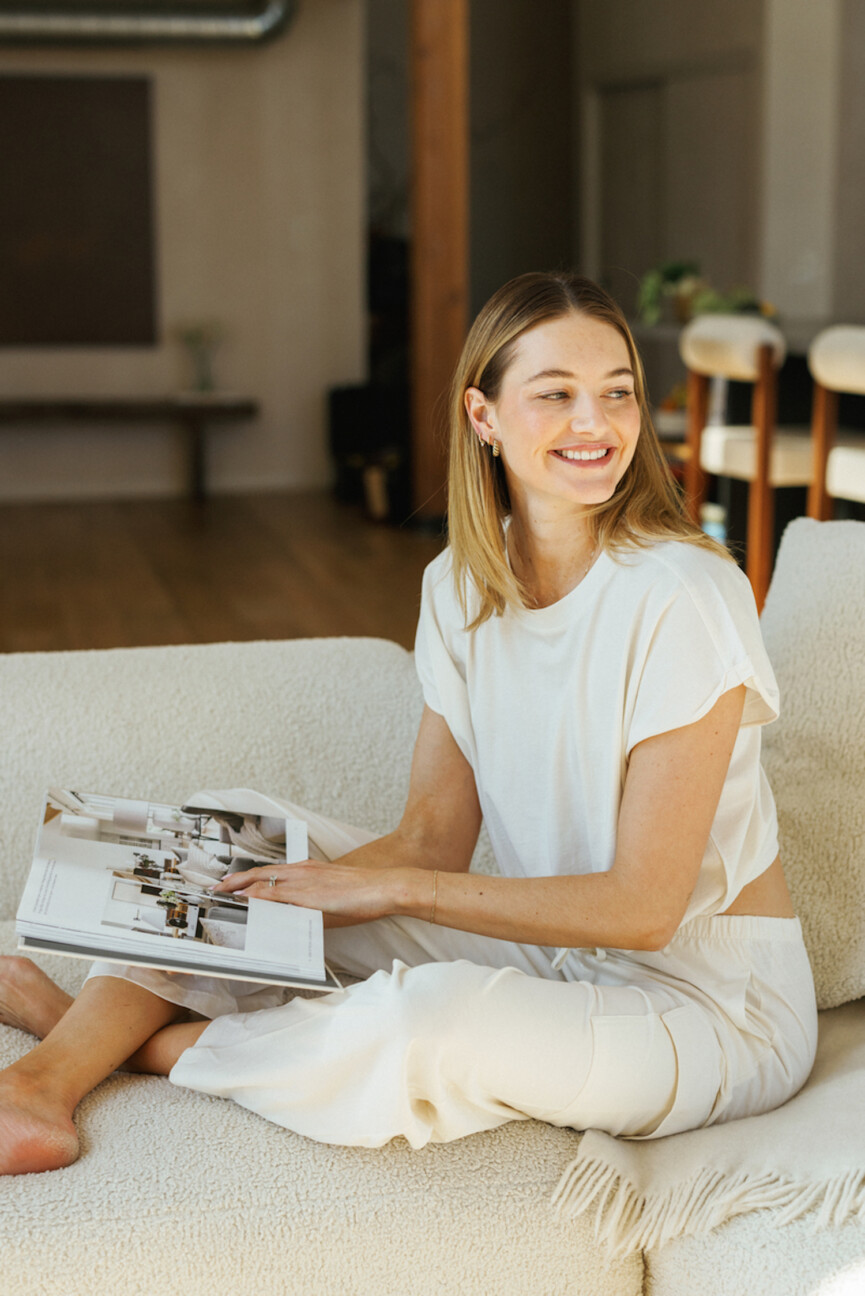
[588, 411]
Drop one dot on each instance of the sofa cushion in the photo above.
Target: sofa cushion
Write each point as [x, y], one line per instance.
[328, 723]
[184, 1194]
[749, 1255]
[814, 627]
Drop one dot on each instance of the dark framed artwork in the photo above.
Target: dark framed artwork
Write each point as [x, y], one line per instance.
[77, 246]
[137, 22]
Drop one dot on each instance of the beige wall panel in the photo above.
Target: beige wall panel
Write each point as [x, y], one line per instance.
[696, 70]
[622, 39]
[261, 225]
[631, 225]
[801, 133]
[849, 274]
[709, 186]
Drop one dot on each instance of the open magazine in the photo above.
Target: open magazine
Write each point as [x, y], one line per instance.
[130, 882]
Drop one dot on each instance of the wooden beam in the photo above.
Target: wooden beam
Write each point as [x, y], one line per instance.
[440, 134]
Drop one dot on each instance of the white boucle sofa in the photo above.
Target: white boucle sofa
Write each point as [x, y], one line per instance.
[183, 1194]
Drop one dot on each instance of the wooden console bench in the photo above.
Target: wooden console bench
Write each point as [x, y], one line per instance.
[192, 412]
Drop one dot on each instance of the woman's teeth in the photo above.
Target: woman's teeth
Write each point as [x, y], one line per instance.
[582, 454]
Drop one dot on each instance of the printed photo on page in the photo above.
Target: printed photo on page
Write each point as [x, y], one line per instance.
[132, 880]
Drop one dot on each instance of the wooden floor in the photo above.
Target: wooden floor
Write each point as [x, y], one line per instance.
[124, 574]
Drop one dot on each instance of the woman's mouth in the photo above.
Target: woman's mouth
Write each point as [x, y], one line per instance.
[586, 455]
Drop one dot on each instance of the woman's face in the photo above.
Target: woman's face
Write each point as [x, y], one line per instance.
[567, 416]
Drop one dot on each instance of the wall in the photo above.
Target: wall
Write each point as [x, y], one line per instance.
[260, 178]
[667, 105]
[801, 124]
[849, 262]
[388, 111]
[741, 129]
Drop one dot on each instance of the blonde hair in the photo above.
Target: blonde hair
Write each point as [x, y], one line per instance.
[646, 505]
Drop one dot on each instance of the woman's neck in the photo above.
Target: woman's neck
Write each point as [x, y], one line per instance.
[549, 556]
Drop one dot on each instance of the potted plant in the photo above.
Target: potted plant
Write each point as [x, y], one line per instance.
[672, 285]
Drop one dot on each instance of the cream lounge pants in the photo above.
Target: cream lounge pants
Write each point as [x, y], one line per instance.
[450, 1033]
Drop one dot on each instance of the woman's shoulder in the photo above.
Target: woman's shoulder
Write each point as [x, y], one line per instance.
[438, 581]
[439, 598]
[669, 566]
[439, 569]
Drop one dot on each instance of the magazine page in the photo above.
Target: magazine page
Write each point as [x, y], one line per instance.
[132, 880]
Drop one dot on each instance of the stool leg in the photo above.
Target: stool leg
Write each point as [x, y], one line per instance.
[761, 512]
[823, 425]
[695, 478]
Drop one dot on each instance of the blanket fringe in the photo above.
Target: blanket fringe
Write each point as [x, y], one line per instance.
[626, 1220]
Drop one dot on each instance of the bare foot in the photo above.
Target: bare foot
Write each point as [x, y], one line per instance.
[29, 999]
[36, 1133]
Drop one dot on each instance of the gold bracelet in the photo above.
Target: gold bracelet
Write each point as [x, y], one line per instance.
[432, 916]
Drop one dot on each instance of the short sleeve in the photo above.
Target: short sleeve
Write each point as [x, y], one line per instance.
[427, 647]
[701, 641]
[440, 645]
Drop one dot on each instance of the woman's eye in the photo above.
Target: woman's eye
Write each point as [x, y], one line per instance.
[620, 393]
[554, 396]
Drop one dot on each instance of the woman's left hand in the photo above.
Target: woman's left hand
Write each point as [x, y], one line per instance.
[352, 895]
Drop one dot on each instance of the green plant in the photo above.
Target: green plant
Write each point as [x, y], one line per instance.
[737, 301]
[681, 283]
[672, 279]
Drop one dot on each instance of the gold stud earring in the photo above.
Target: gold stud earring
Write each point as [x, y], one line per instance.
[496, 450]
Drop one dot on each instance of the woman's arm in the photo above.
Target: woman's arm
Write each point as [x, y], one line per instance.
[438, 831]
[671, 794]
[442, 818]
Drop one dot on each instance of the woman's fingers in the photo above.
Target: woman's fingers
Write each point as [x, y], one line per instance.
[247, 878]
[336, 889]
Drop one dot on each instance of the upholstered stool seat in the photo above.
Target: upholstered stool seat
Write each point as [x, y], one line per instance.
[845, 468]
[836, 359]
[731, 451]
[741, 348]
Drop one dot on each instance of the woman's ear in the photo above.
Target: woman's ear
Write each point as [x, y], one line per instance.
[480, 413]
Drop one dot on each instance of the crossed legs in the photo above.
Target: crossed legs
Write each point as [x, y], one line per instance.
[113, 1023]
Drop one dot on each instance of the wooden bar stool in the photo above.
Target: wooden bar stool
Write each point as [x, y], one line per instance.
[836, 359]
[745, 349]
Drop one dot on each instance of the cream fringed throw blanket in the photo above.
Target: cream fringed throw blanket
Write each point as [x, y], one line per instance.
[808, 1156]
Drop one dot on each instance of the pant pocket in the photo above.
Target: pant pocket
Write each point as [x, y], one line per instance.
[652, 1074]
[631, 1077]
[700, 1072]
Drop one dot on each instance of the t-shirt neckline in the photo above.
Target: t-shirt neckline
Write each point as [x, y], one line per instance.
[554, 613]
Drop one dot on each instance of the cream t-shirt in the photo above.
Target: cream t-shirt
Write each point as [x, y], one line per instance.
[546, 705]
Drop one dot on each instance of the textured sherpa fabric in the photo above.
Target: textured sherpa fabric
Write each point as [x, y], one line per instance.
[188, 1195]
[814, 628]
[747, 1257]
[327, 723]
